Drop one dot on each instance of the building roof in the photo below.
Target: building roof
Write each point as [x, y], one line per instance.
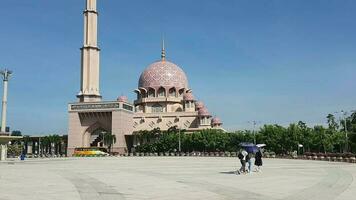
[188, 96]
[216, 121]
[163, 74]
[199, 105]
[204, 112]
[122, 98]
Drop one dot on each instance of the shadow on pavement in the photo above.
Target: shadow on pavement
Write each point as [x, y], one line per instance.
[230, 172]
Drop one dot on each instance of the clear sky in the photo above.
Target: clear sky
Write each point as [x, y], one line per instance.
[270, 61]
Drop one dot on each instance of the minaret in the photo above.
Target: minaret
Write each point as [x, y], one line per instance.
[90, 63]
[5, 76]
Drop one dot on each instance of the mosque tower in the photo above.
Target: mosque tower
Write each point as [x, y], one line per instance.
[90, 63]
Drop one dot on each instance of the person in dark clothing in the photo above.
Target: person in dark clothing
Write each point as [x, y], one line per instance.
[258, 160]
[242, 156]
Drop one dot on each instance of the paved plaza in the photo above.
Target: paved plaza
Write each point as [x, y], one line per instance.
[174, 178]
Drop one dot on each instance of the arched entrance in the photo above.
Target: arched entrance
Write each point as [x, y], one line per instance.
[93, 136]
[96, 138]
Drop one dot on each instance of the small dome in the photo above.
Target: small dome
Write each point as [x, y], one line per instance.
[216, 121]
[204, 112]
[163, 74]
[199, 104]
[122, 99]
[188, 96]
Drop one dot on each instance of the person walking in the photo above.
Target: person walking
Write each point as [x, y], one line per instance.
[242, 156]
[258, 160]
[249, 161]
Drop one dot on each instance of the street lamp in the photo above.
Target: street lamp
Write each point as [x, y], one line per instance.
[5, 76]
[179, 139]
[346, 135]
[179, 142]
[254, 123]
[344, 113]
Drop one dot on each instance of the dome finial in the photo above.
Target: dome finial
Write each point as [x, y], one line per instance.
[163, 53]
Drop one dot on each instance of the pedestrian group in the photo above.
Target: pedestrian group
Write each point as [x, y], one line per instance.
[246, 158]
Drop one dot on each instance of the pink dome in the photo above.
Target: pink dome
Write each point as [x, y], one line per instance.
[216, 121]
[163, 74]
[199, 105]
[122, 99]
[188, 96]
[204, 112]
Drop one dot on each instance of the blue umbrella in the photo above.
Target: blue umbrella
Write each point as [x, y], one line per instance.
[249, 147]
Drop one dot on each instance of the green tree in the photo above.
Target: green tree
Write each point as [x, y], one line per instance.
[109, 139]
[333, 125]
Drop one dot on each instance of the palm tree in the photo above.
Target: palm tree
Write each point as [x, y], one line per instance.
[109, 139]
[55, 140]
[45, 144]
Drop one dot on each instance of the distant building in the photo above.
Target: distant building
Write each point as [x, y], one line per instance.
[164, 100]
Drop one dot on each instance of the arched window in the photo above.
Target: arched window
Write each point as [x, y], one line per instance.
[143, 93]
[157, 108]
[138, 93]
[181, 91]
[151, 92]
[161, 92]
[172, 92]
[179, 109]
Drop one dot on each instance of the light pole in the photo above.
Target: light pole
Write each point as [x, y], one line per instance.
[254, 123]
[344, 114]
[5, 76]
[179, 142]
[346, 136]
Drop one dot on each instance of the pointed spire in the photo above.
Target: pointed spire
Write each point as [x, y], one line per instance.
[163, 53]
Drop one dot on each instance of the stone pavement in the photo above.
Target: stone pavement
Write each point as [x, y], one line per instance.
[174, 178]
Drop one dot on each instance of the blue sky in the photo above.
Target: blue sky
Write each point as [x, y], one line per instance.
[270, 61]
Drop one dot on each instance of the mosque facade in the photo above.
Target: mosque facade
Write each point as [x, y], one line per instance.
[163, 100]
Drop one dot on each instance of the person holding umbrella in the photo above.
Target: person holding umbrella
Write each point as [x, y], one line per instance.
[250, 149]
[258, 158]
[242, 156]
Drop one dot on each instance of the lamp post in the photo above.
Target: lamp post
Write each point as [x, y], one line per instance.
[5, 76]
[344, 117]
[254, 123]
[179, 139]
[346, 135]
[179, 142]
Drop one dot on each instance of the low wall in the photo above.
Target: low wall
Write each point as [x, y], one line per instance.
[234, 154]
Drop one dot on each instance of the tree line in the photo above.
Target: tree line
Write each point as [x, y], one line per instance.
[339, 136]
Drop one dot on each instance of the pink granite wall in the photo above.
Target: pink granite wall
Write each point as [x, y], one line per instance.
[122, 124]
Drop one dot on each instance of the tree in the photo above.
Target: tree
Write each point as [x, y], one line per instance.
[333, 125]
[109, 139]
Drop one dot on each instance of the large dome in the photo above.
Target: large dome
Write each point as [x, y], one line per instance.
[163, 74]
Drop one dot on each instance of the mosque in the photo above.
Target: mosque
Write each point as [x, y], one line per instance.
[163, 100]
